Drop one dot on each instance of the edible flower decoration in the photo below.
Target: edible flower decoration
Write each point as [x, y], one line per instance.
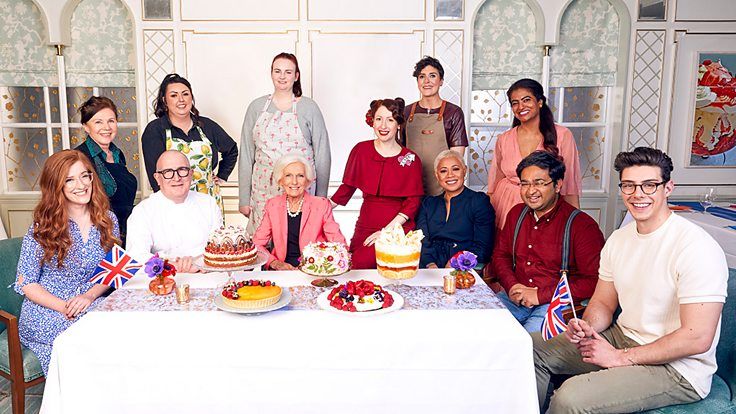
[159, 268]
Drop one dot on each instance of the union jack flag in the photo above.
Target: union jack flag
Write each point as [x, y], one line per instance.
[553, 323]
[116, 268]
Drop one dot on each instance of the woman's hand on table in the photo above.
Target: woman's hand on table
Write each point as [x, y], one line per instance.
[279, 265]
[77, 305]
[245, 210]
[432, 266]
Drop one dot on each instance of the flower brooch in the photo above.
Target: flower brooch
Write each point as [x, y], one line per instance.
[407, 159]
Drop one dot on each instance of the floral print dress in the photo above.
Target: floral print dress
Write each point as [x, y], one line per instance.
[39, 326]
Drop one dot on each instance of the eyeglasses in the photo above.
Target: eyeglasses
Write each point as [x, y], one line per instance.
[182, 172]
[85, 178]
[648, 187]
[535, 184]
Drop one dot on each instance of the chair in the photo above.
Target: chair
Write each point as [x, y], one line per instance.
[722, 397]
[17, 363]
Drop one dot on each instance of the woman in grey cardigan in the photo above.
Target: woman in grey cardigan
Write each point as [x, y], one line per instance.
[275, 125]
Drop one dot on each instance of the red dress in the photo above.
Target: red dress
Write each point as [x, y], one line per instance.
[390, 185]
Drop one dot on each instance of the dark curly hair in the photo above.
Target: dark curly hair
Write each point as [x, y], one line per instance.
[644, 156]
[159, 105]
[428, 61]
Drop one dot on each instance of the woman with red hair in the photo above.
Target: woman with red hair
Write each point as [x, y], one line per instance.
[275, 125]
[389, 176]
[71, 232]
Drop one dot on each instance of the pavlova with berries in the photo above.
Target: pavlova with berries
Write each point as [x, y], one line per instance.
[360, 296]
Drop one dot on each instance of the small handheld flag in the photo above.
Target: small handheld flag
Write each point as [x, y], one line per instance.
[554, 323]
[116, 268]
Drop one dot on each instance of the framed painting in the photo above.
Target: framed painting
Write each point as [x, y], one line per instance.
[702, 138]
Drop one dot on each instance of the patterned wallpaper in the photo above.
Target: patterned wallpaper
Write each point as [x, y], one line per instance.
[504, 47]
[102, 50]
[25, 58]
[588, 49]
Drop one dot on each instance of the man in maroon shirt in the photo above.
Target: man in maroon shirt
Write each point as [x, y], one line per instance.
[530, 283]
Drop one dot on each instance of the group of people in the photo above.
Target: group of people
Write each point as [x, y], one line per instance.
[666, 275]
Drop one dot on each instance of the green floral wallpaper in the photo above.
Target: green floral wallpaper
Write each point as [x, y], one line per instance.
[588, 49]
[25, 57]
[504, 47]
[102, 52]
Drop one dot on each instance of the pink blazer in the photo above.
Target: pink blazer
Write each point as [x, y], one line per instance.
[317, 224]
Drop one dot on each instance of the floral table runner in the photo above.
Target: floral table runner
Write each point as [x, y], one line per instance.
[302, 298]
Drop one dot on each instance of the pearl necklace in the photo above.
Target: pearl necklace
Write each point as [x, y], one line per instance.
[298, 208]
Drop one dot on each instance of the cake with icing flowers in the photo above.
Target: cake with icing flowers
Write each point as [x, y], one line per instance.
[229, 247]
[251, 294]
[325, 259]
[397, 254]
[360, 296]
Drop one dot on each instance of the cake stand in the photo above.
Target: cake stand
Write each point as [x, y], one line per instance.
[261, 259]
[323, 281]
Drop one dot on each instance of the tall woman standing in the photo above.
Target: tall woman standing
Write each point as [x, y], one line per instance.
[180, 127]
[533, 129]
[274, 125]
[390, 177]
[71, 232]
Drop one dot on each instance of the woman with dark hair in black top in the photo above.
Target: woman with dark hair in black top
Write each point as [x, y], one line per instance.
[180, 127]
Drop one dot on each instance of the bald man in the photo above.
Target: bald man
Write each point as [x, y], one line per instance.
[173, 222]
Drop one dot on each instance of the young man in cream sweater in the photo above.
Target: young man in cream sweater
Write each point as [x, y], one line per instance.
[669, 278]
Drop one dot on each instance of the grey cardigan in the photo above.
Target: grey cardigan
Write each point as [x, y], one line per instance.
[312, 126]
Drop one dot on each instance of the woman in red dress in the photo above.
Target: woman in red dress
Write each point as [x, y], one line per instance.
[390, 177]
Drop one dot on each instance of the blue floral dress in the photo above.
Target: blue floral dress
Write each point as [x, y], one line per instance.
[39, 326]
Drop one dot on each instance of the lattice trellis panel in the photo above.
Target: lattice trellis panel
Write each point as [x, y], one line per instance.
[448, 48]
[159, 50]
[646, 85]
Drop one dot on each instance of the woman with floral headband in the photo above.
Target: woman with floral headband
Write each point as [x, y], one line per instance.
[390, 177]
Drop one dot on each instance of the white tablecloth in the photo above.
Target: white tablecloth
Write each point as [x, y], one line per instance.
[293, 361]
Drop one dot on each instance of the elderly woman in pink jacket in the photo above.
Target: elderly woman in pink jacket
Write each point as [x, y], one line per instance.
[294, 219]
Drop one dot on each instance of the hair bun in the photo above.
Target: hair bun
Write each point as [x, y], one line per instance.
[399, 100]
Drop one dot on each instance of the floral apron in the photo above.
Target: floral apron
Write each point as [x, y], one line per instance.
[199, 154]
[275, 135]
[425, 135]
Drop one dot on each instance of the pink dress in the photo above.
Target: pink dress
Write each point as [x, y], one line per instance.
[506, 157]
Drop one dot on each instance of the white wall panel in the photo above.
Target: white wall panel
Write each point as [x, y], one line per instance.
[349, 70]
[705, 10]
[229, 70]
[239, 9]
[366, 10]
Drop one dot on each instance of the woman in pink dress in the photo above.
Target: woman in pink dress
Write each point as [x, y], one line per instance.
[533, 129]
